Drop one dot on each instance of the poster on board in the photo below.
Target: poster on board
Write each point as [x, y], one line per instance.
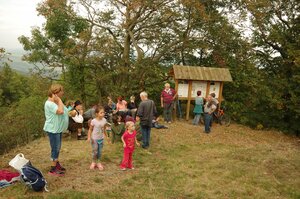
[214, 88]
[183, 90]
[199, 86]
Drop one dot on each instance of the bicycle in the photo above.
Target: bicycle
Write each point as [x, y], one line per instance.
[221, 117]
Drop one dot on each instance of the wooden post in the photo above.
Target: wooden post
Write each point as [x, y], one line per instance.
[220, 93]
[189, 100]
[207, 88]
[175, 104]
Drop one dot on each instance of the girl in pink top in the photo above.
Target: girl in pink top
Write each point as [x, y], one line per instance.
[128, 139]
[96, 136]
[121, 105]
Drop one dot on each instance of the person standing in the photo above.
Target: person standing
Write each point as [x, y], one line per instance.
[57, 121]
[96, 135]
[128, 139]
[145, 113]
[132, 107]
[167, 98]
[198, 110]
[209, 108]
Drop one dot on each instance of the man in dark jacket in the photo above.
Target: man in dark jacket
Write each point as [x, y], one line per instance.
[145, 113]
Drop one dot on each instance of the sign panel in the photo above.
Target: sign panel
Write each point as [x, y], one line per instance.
[199, 86]
[214, 88]
[183, 90]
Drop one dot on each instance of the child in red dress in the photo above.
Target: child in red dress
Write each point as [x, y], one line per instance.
[128, 139]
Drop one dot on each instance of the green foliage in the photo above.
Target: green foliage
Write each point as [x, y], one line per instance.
[21, 108]
[12, 87]
[129, 47]
[276, 40]
[22, 123]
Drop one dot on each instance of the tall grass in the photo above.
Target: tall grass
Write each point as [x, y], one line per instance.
[182, 162]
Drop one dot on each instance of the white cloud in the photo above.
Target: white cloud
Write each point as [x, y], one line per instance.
[16, 19]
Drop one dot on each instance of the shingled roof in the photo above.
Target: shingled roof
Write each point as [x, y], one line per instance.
[201, 73]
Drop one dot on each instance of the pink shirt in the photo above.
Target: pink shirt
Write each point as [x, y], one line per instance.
[98, 129]
[129, 140]
[168, 95]
[122, 106]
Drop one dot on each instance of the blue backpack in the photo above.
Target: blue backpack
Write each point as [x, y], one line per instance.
[33, 178]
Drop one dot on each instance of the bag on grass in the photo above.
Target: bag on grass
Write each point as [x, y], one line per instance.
[18, 162]
[33, 178]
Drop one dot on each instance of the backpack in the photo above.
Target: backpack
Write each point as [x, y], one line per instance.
[33, 178]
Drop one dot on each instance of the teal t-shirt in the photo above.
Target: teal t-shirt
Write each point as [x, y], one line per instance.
[55, 123]
[198, 105]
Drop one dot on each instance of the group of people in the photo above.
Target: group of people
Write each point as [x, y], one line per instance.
[58, 117]
[118, 121]
[208, 108]
[80, 120]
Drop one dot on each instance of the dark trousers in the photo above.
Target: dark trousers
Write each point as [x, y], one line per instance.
[168, 109]
[207, 122]
[145, 136]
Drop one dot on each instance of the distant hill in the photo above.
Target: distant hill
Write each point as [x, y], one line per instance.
[17, 63]
[21, 66]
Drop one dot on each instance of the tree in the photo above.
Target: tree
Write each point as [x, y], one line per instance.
[276, 40]
[60, 43]
[12, 87]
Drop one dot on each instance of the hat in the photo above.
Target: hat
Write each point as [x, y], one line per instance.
[77, 102]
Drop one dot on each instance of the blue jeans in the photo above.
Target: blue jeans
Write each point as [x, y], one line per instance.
[55, 144]
[145, 136]
[207, 121]
[168, 108]
[97, 146]
[196, 118]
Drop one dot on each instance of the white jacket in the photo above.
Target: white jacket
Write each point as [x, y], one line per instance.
[78, 118]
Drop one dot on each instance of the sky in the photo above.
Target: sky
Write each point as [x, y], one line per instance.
[17, 17]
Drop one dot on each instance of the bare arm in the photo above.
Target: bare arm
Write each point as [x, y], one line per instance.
[124, 144]
[136, 141]
[90, 132]
[213, 108]
[104, 130]
[60, 105]
[175, 95]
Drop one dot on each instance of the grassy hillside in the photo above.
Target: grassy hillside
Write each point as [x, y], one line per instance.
[183, 162]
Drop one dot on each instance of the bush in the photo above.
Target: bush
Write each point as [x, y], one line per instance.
[22, 123]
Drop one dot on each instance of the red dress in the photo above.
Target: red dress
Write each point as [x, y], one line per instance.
[128, 150]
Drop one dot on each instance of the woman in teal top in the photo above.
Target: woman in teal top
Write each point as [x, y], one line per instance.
[198, 110]
[57, 121]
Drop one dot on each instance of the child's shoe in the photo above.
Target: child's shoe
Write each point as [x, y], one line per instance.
[100, 167]
[123, 169]
[93, 165]
[55, 172]
[59, 167]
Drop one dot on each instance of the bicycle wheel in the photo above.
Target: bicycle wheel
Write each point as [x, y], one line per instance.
[225, 120]
[202, 120]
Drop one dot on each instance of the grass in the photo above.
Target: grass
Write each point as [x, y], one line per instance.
[183, 162]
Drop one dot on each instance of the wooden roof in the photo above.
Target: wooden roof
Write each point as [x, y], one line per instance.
[201, 73]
